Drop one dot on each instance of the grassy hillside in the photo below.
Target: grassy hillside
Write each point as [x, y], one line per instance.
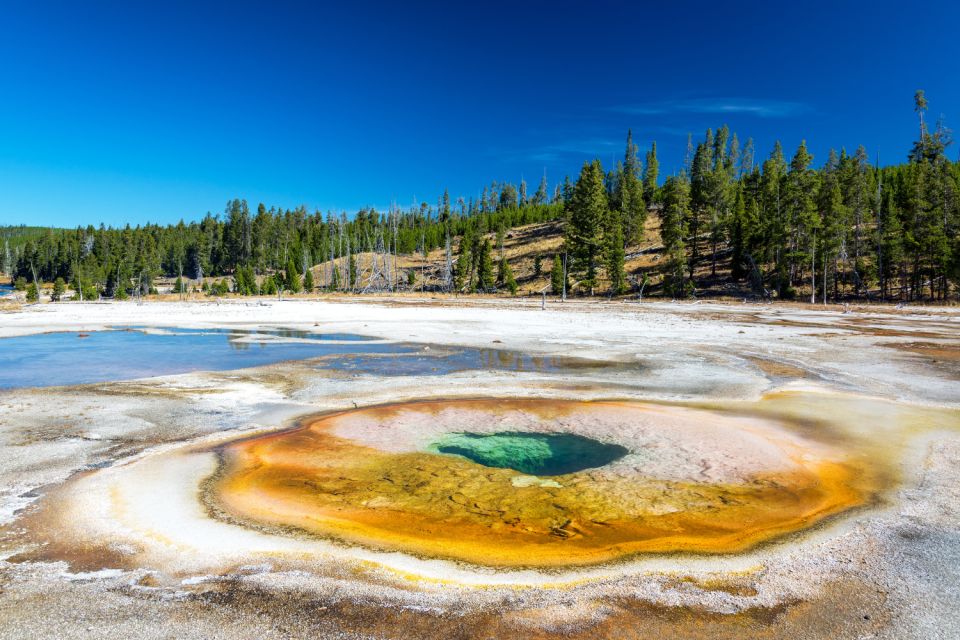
[521, 247]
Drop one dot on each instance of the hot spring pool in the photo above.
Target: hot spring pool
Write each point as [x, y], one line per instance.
[510, 482]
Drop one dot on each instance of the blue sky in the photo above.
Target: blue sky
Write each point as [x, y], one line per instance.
[129, 114]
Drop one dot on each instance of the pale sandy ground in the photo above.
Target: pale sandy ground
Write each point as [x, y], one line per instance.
[890, 571]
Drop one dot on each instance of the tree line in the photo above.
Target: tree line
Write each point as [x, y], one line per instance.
[850, 229]
[246, 246]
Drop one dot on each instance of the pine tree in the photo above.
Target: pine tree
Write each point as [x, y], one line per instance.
[614, 258]
[701, 193]
[752, 232]
[833, 224]
[252, 283]
[268, 287]
[485, 275]
[445, 208]
[292, 277]
[505, 276]
[335, 278]
[508, 198]
[651, 171]
[630, 204]
[673, 229]
[930, 208]
[863, 188]
[720, 193]
[556, 276]
[611, 183]
[239, 282]
[59, 286]
[463, 270]
[308, 284]
[833, 234]
[801, 186]
[566, 191]
[746, 159]
[738, 235]
[540, 197]
[772, 219]
[588, 212]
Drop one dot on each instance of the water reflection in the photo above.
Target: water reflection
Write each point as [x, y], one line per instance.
[421, 363]
[68, 358]
[126, 353]
[237, 333]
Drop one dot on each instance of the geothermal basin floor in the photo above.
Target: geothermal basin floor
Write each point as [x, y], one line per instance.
[120, 515]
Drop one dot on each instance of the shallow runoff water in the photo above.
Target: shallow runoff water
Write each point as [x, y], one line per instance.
[128, 353]
[68, 358]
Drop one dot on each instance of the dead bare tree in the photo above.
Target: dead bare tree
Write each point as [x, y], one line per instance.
[395, 226]
[813, 269]
[348, 267]
[564, 297]
[379, 265]
[423, 253]
[448, 266]
[330, 265]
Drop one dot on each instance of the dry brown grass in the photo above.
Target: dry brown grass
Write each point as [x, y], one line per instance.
[521, 247]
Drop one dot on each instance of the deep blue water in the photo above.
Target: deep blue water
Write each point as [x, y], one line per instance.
[66, 358]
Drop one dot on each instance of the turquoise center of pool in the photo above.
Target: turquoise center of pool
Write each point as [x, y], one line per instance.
[536, 454]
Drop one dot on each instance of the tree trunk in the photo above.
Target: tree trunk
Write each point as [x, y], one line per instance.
[813, 270]
[824, 278]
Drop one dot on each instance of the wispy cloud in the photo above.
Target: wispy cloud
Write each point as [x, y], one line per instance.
[585, 145]
[554, 152]
[760, 108]
[654, 132]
